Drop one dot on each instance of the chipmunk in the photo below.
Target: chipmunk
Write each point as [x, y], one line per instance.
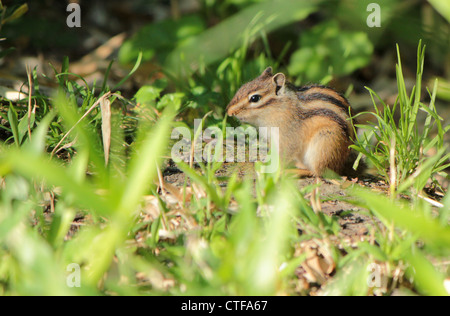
[315, 130]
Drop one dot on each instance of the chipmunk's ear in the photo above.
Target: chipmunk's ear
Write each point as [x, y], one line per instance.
[279, 80]
[267, 72]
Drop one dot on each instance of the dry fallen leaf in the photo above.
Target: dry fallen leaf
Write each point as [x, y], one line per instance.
[11, 94]
[151, 207]
[319, 263]
[105, 107]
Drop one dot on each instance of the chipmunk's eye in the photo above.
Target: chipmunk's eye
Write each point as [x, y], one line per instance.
[255, 98]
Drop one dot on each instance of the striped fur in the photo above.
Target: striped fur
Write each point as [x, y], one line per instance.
[314, 123]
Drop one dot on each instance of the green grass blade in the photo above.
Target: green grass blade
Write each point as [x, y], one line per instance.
[40, 167]
[136, 66]
[14, 123]
[426, 279]
[430, 230]
[144, 162]
[201, 180]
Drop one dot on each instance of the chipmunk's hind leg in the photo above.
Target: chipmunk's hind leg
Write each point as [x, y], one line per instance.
[328, 149]
[301, 173]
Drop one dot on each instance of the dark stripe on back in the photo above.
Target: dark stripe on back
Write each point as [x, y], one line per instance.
[342, 100]
[306, 88]
[306, 98]
[304, 115]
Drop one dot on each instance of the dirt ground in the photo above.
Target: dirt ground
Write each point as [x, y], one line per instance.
[354, 221]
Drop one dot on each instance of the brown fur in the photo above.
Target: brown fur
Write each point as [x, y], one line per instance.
[313, 121]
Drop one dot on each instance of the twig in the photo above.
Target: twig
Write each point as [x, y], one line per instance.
[315, 198]
[431, 201]
[161, 180]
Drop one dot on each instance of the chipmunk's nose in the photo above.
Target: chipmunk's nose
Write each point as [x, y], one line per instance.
[229, 109]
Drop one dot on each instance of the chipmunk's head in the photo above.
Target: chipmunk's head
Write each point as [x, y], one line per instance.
[260, 101]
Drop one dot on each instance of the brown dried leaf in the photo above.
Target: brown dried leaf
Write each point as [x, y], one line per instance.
[319, 263]
[151, 207]
[105, 106]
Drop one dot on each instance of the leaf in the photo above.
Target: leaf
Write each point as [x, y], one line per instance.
[15, 186]
[23, 126]
[171, 99]
[350, 280]
[375, 251]
[160, 38]
[14, 123]
[325, 46]
[426, 279]
[443, 7]
[215, 43]
[147, 95]
[17, 13]
[105, 106]
[61, 224]
[37, 145]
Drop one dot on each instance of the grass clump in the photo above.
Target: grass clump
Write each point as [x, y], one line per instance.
[399, 147]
